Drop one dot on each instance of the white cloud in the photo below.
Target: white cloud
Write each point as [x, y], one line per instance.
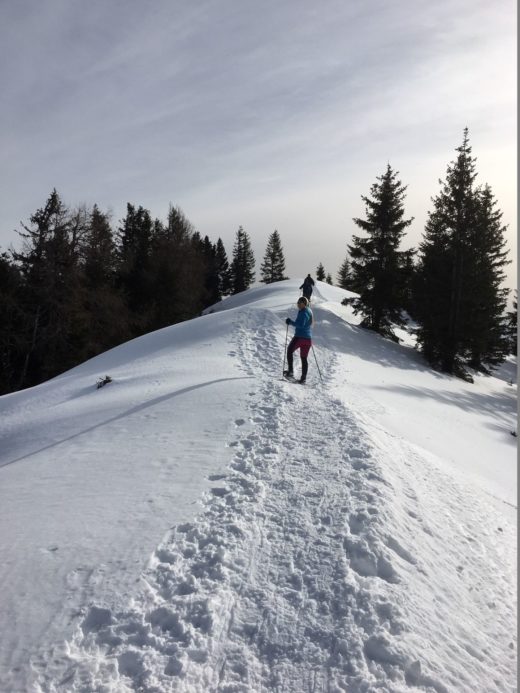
[283, 113]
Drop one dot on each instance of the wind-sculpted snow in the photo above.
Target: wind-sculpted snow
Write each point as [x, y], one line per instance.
[302, 571]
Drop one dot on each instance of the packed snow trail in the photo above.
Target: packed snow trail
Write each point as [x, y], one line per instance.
[300, 572]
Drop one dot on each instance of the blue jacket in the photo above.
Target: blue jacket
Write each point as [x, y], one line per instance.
[303, 323]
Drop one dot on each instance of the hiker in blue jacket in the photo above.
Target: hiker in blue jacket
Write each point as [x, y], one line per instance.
[301, 340]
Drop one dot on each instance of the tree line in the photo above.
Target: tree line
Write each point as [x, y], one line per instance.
[451, 285]
[77, 287]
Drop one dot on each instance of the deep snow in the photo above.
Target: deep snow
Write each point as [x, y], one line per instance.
[199, 524]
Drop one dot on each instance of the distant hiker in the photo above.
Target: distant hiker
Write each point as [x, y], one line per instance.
[302, 338]
[306, 287]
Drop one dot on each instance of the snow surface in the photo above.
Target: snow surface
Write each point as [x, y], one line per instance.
[200, 524]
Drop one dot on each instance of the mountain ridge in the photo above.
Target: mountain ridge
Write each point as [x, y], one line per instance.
[286, 538]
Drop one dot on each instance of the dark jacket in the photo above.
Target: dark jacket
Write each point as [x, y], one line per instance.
[307, 285]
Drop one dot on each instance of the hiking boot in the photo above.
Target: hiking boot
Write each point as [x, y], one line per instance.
[288, 374]
[302, 381]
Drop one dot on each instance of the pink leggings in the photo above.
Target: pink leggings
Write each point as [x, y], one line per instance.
[303, 344]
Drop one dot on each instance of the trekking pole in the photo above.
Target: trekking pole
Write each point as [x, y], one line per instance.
[317, 364]
[285, 348]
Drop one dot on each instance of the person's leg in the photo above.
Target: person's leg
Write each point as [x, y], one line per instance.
[305, 367]
[304, 352]
[290, 351]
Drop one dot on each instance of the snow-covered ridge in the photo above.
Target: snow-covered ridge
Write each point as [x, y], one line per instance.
[201, 525]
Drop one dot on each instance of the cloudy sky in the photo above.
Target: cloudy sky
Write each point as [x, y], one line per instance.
[273, 114]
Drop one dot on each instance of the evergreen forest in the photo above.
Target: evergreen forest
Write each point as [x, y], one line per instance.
[76, 285]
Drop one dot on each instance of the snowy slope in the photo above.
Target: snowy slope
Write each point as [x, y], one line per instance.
[201, 525]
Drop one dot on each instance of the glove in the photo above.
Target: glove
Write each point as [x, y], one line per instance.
[287, 321]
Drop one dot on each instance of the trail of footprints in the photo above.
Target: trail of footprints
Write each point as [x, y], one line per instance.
[265, 590]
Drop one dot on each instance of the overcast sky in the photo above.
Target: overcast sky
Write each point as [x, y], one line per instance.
[272, 114]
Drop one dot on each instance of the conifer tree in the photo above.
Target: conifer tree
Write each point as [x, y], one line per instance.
[328, 278]
[104, 304]
[179, 269]
[485, 333]
[242, 266]
[135, 275]
[320, 273]
[179, 228]
[376, 260]
[211, 275]
[343, 277]
[223, 269]
[273, 266]
[52, 291]
[459, 301]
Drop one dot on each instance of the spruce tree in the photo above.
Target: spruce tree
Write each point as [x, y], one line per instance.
[320, 273]
[343, 277]
[273, 266]
[459, 301]
[485, 333]
[223, 269]
[179, 269]
[375, 259]
[242, 266]
[104, 303]
[135, 275]
[211, 274]
[328, 279]
[99, 250]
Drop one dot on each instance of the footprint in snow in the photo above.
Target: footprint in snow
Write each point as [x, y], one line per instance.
[219, 491]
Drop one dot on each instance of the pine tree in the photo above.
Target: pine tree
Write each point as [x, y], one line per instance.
[344, 274]
[320, 273]
[106, 310]
[134, 271]
[211, 274]
[376, 261]
[52, 295]
[273, 266]
[179, 269]
[328, 279]
[223, 270]
[242, 266]
[459, 302]
[99, 250]
[485, 332]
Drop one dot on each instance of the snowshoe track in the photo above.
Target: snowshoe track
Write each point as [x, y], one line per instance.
[267, 589]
